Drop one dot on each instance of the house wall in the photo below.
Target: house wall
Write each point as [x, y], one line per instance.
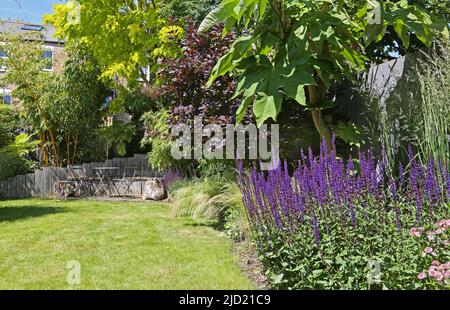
[59, 58]
[58, 61]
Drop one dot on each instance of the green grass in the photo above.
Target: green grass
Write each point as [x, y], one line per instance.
[119, 245]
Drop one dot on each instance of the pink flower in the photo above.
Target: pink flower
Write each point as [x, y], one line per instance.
[440, 231]
[430, 236]
[422, 275]
[441, 268]
[440, 223]
[439, 276]
[414, 232]
[446, 242]
[428, 250]
[447, 274]
[432, 272]
[435, 263]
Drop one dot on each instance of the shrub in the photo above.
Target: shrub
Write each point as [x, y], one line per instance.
[183, 80]
[171, 176]
[214, 198]
[434, 258]
[332, 223]
[416, 111]
[13, 160]
[183, 92]
[9, 124]
[117, 136]
[158, 138]
[232, 216]
[195, 199]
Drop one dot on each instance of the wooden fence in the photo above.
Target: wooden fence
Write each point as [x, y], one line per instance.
[41, 182]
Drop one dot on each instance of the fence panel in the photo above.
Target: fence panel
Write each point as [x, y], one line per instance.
[41, 182]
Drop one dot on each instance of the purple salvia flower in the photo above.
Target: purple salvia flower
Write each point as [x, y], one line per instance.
[316, 231]
[401, 174]
[303, 157]
[431, 187]
[393, 190]
[410, 153]
[385, 157]
[447, 182]
[394, 201]
[352, 214]
[418, 207]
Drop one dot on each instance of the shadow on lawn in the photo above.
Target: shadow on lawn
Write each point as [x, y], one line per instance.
[213, 224]
[10, 214]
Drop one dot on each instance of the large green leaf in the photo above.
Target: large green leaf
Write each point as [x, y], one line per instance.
[266, 82]
[233, 11]
[226, 63]
[265, 107]
[225, 10]
[293, 84]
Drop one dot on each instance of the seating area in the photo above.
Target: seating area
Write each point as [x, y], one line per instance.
[109, 182]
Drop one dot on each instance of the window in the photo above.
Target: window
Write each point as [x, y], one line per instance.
[7, 99]
[3, 55]
[48, 55]
[146, 72]
[32, 27]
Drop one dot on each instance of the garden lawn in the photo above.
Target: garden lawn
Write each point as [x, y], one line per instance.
[132, 245]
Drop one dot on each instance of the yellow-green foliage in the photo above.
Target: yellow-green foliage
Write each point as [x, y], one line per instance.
[216, 199]
[196, 199]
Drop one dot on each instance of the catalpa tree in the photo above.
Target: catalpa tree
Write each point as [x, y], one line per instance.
[297, 49]
[125, 37]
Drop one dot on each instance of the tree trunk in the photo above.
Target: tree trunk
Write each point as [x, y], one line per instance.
[55, 148]
[44, 155]
[314, 97]
[75, 148]
[68, 148]
[316, 94]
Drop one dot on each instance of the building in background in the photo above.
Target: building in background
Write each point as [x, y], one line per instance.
[53, 49]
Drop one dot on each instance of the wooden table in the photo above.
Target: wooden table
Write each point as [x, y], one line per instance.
[105, 178]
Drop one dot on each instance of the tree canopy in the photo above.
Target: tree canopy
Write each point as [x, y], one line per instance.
[298, 49]
[125, 37]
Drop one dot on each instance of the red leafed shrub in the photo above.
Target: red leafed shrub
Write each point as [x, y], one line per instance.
[184, 78]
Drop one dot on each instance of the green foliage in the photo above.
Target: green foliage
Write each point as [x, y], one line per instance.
[158, 137]
[12, 165]
[232, 217]
[293, 261]
[350, 133]
[296, 44]
[62, 108]
[195, 199]
[21, 146]
[417, 110]
[13, 159]
[132, 102]
[196, 10]
[123, 36]
[9, 124]
[433, 244]
[215, 198]
[117, 136]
